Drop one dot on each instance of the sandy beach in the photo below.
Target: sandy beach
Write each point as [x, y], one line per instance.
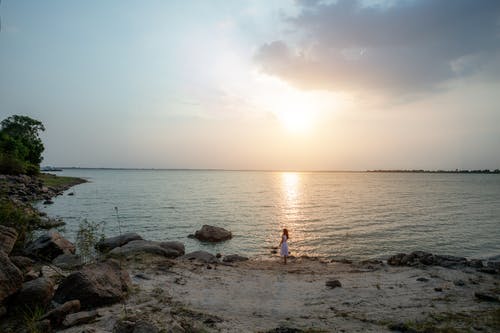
[267, 296]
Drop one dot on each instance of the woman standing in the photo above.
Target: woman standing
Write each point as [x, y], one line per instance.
[284, 245]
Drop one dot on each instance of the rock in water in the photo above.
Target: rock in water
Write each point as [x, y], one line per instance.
[11, 278]
[209, 233]
[95, 285]
[110, 243]
[8, 237]
[49, 246]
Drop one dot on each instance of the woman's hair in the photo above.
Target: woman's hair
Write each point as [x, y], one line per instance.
[285, 232]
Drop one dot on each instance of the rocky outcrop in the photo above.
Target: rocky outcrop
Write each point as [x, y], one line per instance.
[201, 256]
[8, 237]
[11, 278]
[49, 246]
[234, 258]
[110, 243]
[79, 318]
[209, 233]
[165, 249]
[95, 285]
[35, 293]
[421, 258]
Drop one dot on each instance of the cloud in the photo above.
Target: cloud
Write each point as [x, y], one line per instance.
[404, 48]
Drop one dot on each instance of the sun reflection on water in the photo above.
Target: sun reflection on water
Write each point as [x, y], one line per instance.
[291, 206]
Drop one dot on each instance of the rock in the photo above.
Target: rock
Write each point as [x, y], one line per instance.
[11, 278]
[108, 244]
[402, 327]
[438, 289]
[202, 256]
[24, 264]
[395, 260]
[68, 261]
[49, 246]
[42, 326]
[79, 318]
[333, 284]
[475, 263]
[95, 285]
[459, 283]
[234, 258]
[48, 202]
[35, 293]
[218, 255]
[487, 297]
[494, 265]
[282, 329]
[422, 279]
[176, 246]
[51, 272]
[151, 247]
[145, 327]
[487, 270]
[209, 233]
[3, 311]
[175, 327]
[449, 261]
[140, 326]
[57, 315]
[8, 237]
[71, 193]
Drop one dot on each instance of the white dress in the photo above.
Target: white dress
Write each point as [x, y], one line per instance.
[284, 247]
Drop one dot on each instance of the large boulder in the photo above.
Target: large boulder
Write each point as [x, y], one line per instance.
[49, 246]
[209, 233]
[202, 256]
[95, 285]
[8, 237]
[110, 243]
[25, 264]
[35, 293]
[165, 249]
[11, 278]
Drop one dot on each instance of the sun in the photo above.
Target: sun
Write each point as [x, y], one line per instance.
[296, 121]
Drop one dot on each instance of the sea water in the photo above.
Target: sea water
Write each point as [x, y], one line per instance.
[354, 215]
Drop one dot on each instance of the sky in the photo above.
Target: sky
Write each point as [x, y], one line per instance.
[267, 85]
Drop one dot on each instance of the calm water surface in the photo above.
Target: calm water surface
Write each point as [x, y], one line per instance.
[353, 215]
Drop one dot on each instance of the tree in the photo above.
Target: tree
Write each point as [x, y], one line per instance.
[20, 145]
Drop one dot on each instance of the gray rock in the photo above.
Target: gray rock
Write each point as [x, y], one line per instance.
[209, 233]
[11, 278]
[25, 264]
[68, 261]
[234, 258]
[35, 293]
[8, 237]
[140, 326]
[79, 318]
[108, 244]
[333, 284]
[151, 247]
[494, 264]
[422, 279]
[475, 263]
[145, 327]
[49, 246]
[449, 261]
[202, 256]
[487, 296]
[57, 315]
[177, 246]
[95, 285]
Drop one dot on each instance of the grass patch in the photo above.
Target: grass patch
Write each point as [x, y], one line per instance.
[53, 181]
[19, 218]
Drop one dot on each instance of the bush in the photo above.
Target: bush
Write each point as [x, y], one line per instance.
[87, 238]
[15, 217]
[10, 165]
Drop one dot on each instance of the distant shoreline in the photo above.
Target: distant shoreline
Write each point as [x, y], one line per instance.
[457, 171]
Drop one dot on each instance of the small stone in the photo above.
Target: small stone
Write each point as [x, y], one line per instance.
[48, 202]
[218, 255]
[333, 284]
[438, 289]
[459, 283]
[422, 279]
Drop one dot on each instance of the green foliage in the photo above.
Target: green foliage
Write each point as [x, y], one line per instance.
[18, 218]
[20, 145]
[31, 317]
[87, 238]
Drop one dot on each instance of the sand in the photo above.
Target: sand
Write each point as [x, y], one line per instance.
[262, 295]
